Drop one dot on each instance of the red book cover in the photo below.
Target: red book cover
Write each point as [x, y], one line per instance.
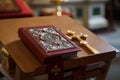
[46, 41]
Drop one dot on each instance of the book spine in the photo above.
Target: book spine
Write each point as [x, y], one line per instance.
[32, 45]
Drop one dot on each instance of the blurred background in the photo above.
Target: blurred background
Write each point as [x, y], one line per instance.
[100, 16]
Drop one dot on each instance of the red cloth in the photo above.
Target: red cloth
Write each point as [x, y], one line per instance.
[25, 11]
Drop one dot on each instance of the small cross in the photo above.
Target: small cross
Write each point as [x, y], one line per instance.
[56, 70]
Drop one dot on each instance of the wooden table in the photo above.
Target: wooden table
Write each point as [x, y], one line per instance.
[27, 63]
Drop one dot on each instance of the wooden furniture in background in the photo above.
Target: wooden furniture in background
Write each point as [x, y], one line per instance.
[89, 13]
[27, 65]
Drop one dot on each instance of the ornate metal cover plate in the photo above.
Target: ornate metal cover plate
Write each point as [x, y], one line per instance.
[50, 39]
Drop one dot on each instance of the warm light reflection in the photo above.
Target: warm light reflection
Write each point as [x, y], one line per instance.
[57, 4]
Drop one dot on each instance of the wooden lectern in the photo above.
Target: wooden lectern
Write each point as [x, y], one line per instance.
[28, 67]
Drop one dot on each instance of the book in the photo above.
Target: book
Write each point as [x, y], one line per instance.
[8, 6]
[46, 41]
